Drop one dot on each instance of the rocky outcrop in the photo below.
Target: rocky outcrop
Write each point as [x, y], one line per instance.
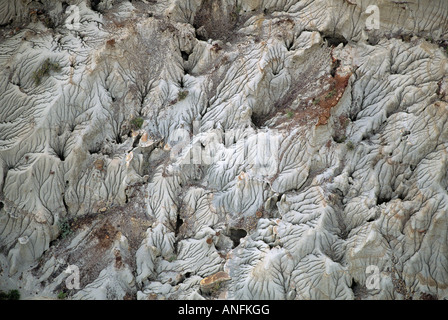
[202, 149]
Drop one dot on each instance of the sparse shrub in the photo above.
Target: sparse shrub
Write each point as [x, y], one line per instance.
[45, 70]
[219, 21]
[331, 94]
[238, 8]
[137, 123]
[62, 295]
[182, 95]
[340, 139]
[217, 286]
[47, 21]
[290, 114]
[350, 145]
[14, 295]
[427, 296]
[346, 122]
[66, 229]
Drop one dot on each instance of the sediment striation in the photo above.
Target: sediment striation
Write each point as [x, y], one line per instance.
[226, 149]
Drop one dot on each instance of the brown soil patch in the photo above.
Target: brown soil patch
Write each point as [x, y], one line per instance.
[106, 235]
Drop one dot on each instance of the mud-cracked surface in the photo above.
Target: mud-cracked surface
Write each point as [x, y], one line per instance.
[199, 149]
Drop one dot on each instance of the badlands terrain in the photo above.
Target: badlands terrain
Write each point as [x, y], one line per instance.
[224, 149]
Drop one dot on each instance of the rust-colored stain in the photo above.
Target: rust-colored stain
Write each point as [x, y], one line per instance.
[326, 101]
[317, 110]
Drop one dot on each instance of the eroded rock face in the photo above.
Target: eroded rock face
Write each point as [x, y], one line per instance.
[224, 149]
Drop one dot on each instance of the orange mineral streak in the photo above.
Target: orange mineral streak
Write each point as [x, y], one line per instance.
[144, 137]
[329, 99]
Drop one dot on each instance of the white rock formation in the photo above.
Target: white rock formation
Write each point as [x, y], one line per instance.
[299, 146]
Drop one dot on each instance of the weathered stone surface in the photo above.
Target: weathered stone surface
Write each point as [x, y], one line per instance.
[214, 281]
[299, 147]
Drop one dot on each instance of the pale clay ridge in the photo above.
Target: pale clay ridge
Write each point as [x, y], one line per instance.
[330, 141]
